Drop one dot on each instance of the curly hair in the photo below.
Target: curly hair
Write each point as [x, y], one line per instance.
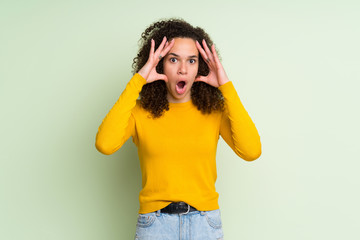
[153, 96]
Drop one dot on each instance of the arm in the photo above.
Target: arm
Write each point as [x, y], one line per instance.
[119, 124]
[237, 128]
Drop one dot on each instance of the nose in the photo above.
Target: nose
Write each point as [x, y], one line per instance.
[182, 69]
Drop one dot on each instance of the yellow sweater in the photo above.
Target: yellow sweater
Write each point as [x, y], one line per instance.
[177, 151]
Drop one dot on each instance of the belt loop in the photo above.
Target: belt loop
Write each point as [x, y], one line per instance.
[158, 213]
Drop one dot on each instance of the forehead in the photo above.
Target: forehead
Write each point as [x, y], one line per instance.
[184, 47]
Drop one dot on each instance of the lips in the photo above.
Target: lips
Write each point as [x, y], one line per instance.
[181, 87]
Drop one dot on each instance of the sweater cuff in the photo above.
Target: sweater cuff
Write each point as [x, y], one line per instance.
[139, 78]
[137, 82]
[227, 88]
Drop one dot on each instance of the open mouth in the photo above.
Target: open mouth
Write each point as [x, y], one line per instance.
[181, 87]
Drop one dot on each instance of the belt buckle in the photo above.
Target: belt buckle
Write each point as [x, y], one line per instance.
[188, 210]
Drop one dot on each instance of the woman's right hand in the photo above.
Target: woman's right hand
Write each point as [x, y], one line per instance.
[148, 71]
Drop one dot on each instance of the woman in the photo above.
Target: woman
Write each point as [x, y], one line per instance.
[186, 102]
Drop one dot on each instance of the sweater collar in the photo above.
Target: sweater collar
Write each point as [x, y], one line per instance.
[180, 106]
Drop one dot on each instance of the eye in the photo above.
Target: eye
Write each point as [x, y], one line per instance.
[173, 60]
[192, 61]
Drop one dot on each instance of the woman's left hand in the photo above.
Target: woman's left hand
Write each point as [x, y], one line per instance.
[217, 75]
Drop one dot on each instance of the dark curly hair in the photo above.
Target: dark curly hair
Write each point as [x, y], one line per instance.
[153, 96]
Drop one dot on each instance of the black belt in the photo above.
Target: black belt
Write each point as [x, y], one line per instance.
[178, 207]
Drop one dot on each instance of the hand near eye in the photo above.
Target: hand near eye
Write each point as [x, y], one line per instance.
[148, 71]
[217, 75]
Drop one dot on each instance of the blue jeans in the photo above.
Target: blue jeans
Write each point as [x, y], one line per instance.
[197, 225]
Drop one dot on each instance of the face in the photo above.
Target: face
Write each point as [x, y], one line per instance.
[181, 67]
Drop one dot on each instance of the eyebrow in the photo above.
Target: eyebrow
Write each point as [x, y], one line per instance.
[174, 54]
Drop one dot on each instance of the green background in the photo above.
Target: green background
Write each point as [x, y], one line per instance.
[295, 65]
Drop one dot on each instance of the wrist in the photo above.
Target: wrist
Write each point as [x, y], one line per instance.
[224, 81]
[142, 73]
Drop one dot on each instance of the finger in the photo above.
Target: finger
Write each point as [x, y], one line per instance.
[151, 54]
[207, 50]
[166, 44]
[162, 52]
[160, 48]
[162, 77]
[216, 57]
[168, 47]
[201, 79]
[202, 52]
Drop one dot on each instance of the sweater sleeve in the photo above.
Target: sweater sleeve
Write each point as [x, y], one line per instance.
[119, 123]
[237, 128]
